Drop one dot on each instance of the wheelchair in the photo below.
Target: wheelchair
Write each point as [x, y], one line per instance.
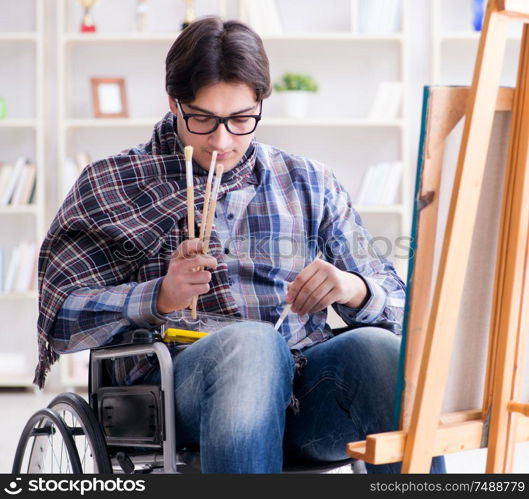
[122, 429]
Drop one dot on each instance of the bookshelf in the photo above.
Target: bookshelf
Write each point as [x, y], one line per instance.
[338, 131]
[21, 134]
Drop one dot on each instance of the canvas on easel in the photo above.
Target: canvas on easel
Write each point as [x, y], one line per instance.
[443, 122]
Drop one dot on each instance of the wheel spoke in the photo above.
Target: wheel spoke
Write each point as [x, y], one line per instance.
[84, 453]
[62, 449]
[52, 453]
[54, 456]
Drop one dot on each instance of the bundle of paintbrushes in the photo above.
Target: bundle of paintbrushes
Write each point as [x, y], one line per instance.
[208, 210]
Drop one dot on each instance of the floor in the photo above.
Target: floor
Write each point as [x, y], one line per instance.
[17, 407]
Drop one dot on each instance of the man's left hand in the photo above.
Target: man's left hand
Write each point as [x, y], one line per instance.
[321, 284]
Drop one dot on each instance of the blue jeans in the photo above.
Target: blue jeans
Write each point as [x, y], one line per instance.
[233, 391]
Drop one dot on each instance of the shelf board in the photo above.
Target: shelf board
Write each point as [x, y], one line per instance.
[111, 122]
[27, 295]
[18, 123]
[19, 37]
[278, 122]
[330, 122]
[18, 209]
[338, 36]
[283, 37]
[13, 381]
[119, 37]
[465, 36]
[392, 208]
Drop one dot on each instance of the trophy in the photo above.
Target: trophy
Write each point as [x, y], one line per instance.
[87, 24]
[189, 15]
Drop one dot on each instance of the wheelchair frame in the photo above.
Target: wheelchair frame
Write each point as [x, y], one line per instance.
[161, 351]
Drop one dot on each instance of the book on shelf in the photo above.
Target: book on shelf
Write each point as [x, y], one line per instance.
[2, 269]
[390, 194]
[14, 178]
[6, 170]
[72, 170]
[21, 269]
[26, 185]
[387, 102]
[262, 15]
[380, 184]
[377, 17]
[365, 186]
[27, 267]
[11, 270]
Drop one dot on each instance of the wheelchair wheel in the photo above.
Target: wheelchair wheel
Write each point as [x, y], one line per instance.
[86, 432]
[46, 446]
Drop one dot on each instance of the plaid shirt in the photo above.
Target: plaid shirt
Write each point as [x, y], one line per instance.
[268, 229]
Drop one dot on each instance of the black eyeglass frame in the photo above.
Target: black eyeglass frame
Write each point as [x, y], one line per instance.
[219, 120]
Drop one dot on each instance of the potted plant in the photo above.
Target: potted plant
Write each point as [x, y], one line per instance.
[296, 89]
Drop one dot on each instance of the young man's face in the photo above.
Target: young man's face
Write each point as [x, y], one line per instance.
[221, 99]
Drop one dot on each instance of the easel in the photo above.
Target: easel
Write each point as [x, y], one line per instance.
[423, 435]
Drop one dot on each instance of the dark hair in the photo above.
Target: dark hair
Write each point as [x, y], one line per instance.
[209, 51]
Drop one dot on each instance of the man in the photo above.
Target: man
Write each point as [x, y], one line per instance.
[117, 257]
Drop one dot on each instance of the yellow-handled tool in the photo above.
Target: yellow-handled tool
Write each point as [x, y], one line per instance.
[182, 335]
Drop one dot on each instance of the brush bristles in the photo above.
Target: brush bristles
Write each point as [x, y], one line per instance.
[188, 152]
[212, 166]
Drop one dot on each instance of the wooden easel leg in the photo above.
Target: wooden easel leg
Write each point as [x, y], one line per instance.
[513, 323]
[456, 248]
[503, 242]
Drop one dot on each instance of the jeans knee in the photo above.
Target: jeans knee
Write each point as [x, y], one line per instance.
[372, 351]
[253, 364]
[254, 344]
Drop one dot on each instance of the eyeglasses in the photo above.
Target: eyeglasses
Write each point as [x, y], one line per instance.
[204, 124]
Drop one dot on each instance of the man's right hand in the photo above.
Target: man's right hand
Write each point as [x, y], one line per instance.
[182, 281]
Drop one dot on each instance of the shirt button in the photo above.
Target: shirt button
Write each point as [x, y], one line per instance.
[230, 216]
[226, 251]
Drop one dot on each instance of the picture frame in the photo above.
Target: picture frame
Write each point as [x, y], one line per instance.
[109, 98]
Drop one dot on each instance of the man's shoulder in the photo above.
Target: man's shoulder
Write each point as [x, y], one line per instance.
[281, 162]
[119, 168]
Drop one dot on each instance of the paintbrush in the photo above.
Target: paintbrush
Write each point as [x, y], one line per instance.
[287, 308]
[188, 152]
[207, 195]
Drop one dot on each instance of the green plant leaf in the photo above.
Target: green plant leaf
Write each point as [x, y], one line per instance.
[296, 81]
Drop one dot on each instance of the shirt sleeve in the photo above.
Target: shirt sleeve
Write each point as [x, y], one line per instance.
[92, 316]
[348, 245]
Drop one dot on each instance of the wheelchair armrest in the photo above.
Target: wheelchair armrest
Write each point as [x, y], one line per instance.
[394, 327]
[132, 337]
